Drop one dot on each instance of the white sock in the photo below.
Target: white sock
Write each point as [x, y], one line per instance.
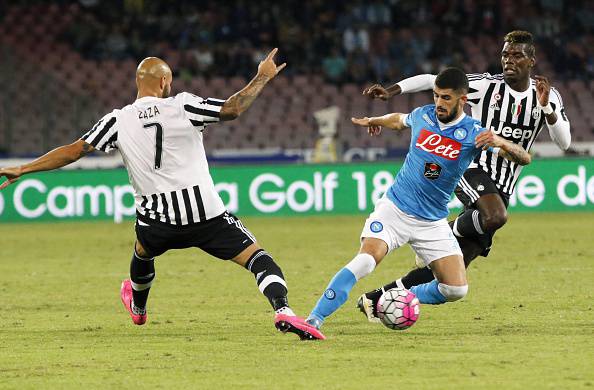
[285, 310]
[362, 265]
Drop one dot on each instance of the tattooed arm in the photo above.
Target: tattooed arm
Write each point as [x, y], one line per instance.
[54, 159]
[239, 102]
[514, 152]
[507, 149]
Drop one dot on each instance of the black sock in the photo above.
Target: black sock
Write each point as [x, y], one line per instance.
[142, 273]
[269, 278]
[375, 294]
[468, 224]
[417, 276]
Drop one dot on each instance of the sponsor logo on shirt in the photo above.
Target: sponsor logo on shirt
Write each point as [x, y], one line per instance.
[432, 170]
[438, 145]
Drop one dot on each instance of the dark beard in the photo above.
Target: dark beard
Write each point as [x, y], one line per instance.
[451, 117]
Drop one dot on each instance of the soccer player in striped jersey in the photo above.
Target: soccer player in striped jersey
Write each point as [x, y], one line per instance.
[515, 106]
[161, 143]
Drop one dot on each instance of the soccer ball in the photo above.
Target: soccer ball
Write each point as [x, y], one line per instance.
[398, 308]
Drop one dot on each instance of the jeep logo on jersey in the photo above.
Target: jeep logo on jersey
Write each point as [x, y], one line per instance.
[438, 145]
[519, 133]
[432, 170]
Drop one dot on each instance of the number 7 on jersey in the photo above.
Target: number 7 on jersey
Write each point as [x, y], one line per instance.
[158, 142]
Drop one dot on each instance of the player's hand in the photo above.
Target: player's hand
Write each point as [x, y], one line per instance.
[376, 91]
[543, 89]
[366, 122]
[11, 174]
[268, 68]
[374, 130]
[487, 139]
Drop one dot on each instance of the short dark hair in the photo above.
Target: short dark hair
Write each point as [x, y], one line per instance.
[519, 36]
[452, 78]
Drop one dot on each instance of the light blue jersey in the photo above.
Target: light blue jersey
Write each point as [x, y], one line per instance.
[436, 160]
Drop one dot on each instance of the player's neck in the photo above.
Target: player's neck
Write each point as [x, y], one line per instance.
[142, 94]
[453, 122]
[520, 85]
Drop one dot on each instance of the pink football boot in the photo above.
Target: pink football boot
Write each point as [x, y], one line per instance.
[286, 323]
[126, 295]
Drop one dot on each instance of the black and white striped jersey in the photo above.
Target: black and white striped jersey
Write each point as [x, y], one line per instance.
[161, 143]
[515, 116]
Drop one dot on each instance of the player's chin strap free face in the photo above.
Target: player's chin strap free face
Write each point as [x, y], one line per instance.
[450, 101]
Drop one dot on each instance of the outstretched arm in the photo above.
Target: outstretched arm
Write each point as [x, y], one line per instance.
[239, 102]
[54, 159]
[507, 149]
[422, 82]
[374, 124]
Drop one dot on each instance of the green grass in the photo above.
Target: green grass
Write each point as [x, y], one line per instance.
[528, 321]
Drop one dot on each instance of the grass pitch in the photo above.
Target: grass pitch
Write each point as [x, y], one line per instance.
[527, 323]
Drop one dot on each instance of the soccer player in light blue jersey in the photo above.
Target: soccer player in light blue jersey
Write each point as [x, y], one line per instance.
[444, 142]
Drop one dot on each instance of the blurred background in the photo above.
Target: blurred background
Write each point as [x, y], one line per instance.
[64, 64]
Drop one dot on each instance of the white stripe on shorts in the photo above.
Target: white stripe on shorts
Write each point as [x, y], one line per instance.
[468, 190]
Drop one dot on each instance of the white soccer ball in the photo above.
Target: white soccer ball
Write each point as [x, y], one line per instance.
[398, 308]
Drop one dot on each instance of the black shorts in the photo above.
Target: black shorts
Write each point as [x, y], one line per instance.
[223, 237]
[474, 184]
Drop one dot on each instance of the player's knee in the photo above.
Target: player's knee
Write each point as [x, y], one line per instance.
[375, 247]
[362, 265]
[494, 221]
[452, 293]
[140, 251]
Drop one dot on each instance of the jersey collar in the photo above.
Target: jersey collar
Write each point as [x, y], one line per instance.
[147, 99]
[520, 94]
[443, 126]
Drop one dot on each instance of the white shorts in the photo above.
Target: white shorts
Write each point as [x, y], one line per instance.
[431, 240]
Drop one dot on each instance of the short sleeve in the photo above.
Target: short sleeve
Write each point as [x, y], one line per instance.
[104, 135]
[412, 118]
[201, 111]
[477, 86]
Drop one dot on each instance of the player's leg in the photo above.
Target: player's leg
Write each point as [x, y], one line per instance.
[436, 247]
[450, 282]
[470, 250]
[384, 231]
[225, 237]
[269, 276]
[371, 253]
[142, 274]
[482, 221]
[485, 209]
[151, 241]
